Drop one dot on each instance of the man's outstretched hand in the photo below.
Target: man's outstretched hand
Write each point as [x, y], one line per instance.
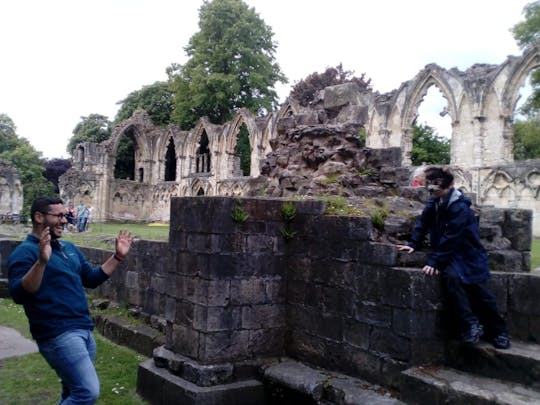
[122, 243]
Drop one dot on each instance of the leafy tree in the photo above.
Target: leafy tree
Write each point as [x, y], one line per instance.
[54, 168]
[306, 89]
[8, 133]
[428, 147]
[94, 128]
[527, 139]
[28, 161]
[527, 32]
[156, 99]
[125, 158]
[243, 150]
[232, 65]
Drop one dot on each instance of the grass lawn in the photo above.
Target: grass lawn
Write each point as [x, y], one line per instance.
[535, 254]
[99, 235]
[28, 379]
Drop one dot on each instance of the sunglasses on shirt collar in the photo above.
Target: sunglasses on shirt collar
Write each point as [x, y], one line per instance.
[433, 188]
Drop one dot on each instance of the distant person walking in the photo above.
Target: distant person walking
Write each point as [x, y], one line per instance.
[460, 258]
[48, 278]
[82, 217]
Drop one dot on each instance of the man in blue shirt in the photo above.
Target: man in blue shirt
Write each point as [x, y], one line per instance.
[48, 278]
[458, 255]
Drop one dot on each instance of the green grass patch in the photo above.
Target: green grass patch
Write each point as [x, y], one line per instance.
[535, 254]
[28, 379]
[101, 235]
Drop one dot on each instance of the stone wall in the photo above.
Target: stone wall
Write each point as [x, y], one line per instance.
[234, 292]
[11, 191]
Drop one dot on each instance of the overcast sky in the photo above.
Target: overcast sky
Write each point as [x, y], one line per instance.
[63, 59]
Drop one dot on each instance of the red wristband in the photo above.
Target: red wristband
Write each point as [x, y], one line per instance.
[117, 258]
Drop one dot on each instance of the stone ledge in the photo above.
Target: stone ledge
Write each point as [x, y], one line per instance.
[141, 338]
[323, 384]
[437, 385]
[209, 374]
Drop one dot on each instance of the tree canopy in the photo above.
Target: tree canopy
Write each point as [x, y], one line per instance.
[156, 99]
[232, 65]
[54, 168]
[429, 147]
[528, 31]
[94, 128]
[527, 139]
[527, 131]
[28, 161]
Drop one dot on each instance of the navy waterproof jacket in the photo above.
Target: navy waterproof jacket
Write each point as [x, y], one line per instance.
[60, 304]
[454, 238]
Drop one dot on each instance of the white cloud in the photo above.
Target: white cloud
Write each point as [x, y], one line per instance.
[63, 59]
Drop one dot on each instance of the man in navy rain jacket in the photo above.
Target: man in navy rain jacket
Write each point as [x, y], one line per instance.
[460, 257]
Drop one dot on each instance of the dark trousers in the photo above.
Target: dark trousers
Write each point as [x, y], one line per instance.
[473, 303]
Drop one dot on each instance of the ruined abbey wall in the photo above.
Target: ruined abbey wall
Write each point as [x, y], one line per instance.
[11, 192]
[481, 104]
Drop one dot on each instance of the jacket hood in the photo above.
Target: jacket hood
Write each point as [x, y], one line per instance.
[456, 195]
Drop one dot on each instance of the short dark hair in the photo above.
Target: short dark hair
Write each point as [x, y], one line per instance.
[439, 173]
[41, 204]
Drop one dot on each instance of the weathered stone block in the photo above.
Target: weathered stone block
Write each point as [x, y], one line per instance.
[506, 260]
[215, 319]
[341, 95]
[374, 314]
[158, 283]
[132, 279]
[184, 313]
[184, 340]
[384, 341]
[518, 228]
[267, 342]
[170, 309]
[520, 302]
[356, 333]
[338, 301]
[263, 316]
[377, 253]
[396, 287]
[427, 351]
[415, 324]
[224, 346]
[248, 291]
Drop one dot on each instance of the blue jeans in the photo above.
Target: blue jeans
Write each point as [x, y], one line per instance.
[81, 224]
[72, 355]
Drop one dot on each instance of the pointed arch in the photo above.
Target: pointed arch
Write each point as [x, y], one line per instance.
[432, 75]
[170, 160]
[518, 69]
[240, 144]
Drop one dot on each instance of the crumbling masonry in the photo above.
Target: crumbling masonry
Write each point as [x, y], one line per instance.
[170, 162]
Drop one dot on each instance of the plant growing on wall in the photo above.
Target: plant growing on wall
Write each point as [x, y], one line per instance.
[288, 213]
[238, 214]
[378, 217]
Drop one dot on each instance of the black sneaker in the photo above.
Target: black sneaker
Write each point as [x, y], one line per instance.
[502, 341]
[474, 334]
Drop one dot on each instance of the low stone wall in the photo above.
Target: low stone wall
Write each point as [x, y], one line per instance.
[316, 287]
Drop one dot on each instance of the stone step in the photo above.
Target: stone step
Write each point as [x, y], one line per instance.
[520, 363]
[439, 385]
[160, 387]
[325, 387]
